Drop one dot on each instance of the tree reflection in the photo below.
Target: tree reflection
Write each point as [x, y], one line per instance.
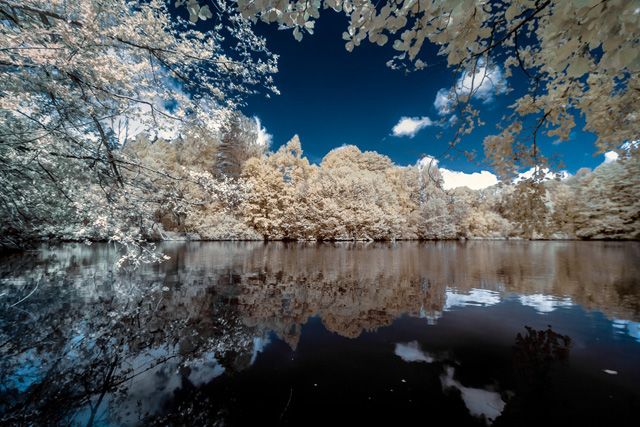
[538, 358]
[87, 339]
[537, 353]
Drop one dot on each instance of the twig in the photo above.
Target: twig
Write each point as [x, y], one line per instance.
[30, 293]
[286, 406]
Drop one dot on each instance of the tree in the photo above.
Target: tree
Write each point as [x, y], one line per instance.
[199, 195]
[356, 191]
[276, 203]
[79, 78]
[526, 206]
[476, 216]
[608, 201]
[238, 144]
[405, 183]
[435, 204]
[436, 218]
[562, 209]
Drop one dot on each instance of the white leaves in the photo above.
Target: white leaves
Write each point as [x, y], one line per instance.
[204, 13]
[400, 45]
[578, 67]
[512, 11]
[194, 11]
[382, 40]
[627, 57]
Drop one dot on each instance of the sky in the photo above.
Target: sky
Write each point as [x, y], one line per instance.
[331, 97]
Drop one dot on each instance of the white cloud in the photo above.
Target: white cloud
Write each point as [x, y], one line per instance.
[264, 137]
[484, 179]
[610, 157]
[625, 150]
[484, 84]
[411, 352]
[443, 101]
[138, 121]
[205, 369]
[156, 383]
[169, 117]
[475, 180]
[410, 126]
[427, 161]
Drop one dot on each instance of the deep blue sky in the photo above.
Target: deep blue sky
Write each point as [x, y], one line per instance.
[331, 97]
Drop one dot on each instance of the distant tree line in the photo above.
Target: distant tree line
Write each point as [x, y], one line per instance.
[228, 186]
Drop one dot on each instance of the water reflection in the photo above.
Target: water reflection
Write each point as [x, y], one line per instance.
[411, 352]
[483, 403]
[627, 327]
[190, 338]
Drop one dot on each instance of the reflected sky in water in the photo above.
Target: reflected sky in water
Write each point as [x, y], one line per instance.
[469, 333]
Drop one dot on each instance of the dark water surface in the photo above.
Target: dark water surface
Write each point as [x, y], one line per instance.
[451, 333]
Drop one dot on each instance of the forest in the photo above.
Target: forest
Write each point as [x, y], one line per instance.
[229, 186]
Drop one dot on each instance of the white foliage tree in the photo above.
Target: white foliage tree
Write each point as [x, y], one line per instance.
[608, 201]
[80, 77]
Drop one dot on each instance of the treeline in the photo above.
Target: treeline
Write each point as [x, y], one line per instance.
[226, 185]
[243, 192]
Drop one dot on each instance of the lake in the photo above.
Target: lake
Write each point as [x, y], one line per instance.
[250, 333]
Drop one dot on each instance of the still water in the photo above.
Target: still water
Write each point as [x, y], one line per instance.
[447, 333]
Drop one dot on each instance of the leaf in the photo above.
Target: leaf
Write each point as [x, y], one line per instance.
[193, 12]
[297, 34]
[205, 13]
[578, 67]
[382, 40]
[512, 11]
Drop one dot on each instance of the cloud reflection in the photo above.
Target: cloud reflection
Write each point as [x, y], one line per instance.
[475, 297]
[411, 352]
[628, 327]
[545, 303]
[479, 401]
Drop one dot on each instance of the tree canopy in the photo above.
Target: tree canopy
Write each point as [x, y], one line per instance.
[581, 57]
